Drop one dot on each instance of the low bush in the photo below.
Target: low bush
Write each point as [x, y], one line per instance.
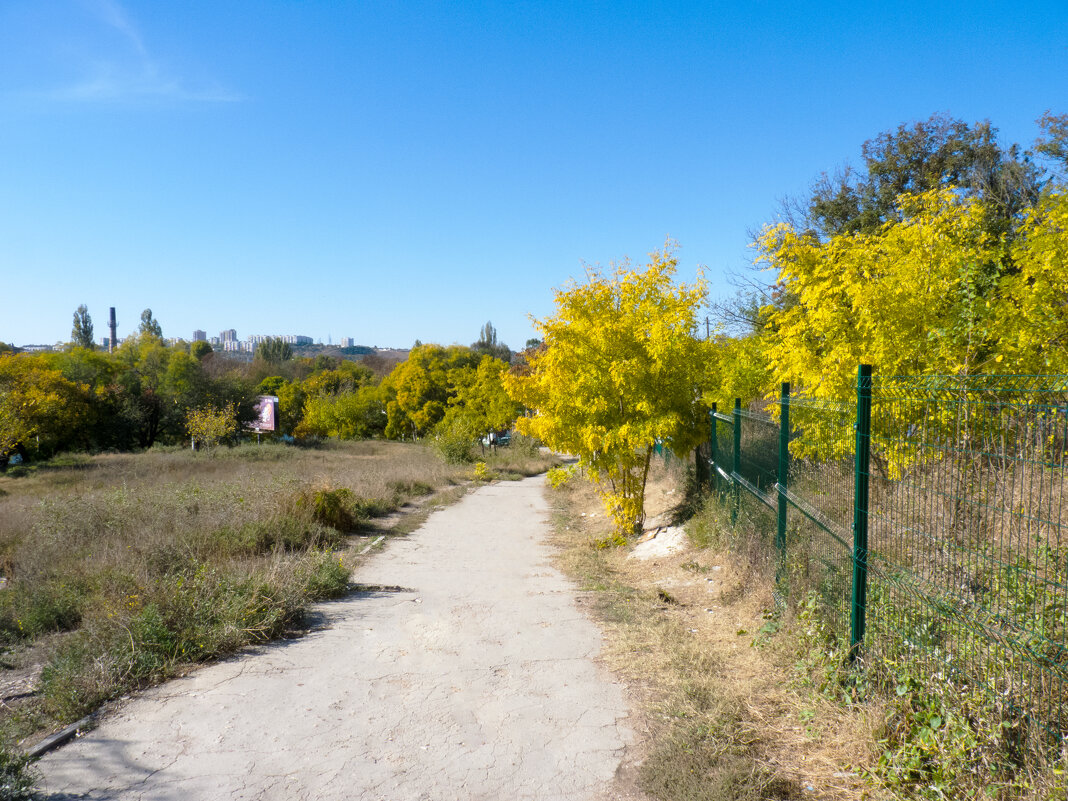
[454, 440]
[336, 508]
[197, 614]
[409, 489]
[559, 476]
[324, 575]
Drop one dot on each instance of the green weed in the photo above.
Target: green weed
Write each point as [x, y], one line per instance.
[17, 776]
[30, 609]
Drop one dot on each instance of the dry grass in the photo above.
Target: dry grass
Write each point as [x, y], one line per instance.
[724, 712]
[124, 569]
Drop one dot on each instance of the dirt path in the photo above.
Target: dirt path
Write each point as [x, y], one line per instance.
[467, 673]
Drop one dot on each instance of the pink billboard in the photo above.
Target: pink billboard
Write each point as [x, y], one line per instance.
[266, 414]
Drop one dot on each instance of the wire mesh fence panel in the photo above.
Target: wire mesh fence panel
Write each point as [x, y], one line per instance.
[967, 560]
[720, 447]
[747, 484]
[820, 493]
[968, 539]
[759, 457]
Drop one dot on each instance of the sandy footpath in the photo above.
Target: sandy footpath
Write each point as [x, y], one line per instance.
[467, 674]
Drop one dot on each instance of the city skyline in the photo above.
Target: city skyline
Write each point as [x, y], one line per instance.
[102, 339]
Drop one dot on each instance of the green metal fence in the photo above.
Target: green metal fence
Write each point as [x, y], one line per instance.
[929, 518]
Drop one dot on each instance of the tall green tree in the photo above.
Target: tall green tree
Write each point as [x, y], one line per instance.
[1052, 143]
[487, 344]
[81, 334]
[149, 326]
[198, 350]
[273, 350]
[936, 153]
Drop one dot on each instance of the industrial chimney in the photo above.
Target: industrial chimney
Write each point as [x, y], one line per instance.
[114, 329]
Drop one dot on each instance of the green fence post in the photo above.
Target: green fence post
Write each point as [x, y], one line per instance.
[860, 511]
[784, 464]
[712, 450]
[782, 584]
[736, 463]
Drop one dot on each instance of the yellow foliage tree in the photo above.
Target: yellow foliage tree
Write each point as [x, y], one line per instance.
[208, 425]
[39, 409]
[620, 370]
[913, 298]
[740, 369]
[1031, 321]
[936, 293]
[418, 390]
[480, 397]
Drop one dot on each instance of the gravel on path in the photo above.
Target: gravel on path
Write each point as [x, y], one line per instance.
[463, 669]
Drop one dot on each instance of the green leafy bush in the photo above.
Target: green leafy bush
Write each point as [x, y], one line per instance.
[324, 575]
[337, 507]
[454, 439]
[286, 532]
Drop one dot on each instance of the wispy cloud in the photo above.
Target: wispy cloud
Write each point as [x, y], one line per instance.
[112, 14]
[126, 71]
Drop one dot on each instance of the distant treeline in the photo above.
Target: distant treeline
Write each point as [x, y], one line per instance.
[146, 392]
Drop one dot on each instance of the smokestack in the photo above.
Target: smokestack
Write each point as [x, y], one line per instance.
[114, 329]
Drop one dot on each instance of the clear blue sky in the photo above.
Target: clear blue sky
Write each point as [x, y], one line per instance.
[400, 170]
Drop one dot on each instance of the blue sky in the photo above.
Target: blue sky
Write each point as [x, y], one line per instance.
[400, 170]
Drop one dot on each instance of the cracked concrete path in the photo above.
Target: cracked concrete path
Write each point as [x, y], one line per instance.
[471, 677]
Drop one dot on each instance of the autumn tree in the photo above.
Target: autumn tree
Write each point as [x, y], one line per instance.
[1030, 322]
[910, 298]
[81, 334]
[207, 425]
[739, 368]
[620, 370]
[341, 400]
[935, 293]
[481, 398]
[479, 404]
[40, 410]
[352, 414]
[418, 390]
